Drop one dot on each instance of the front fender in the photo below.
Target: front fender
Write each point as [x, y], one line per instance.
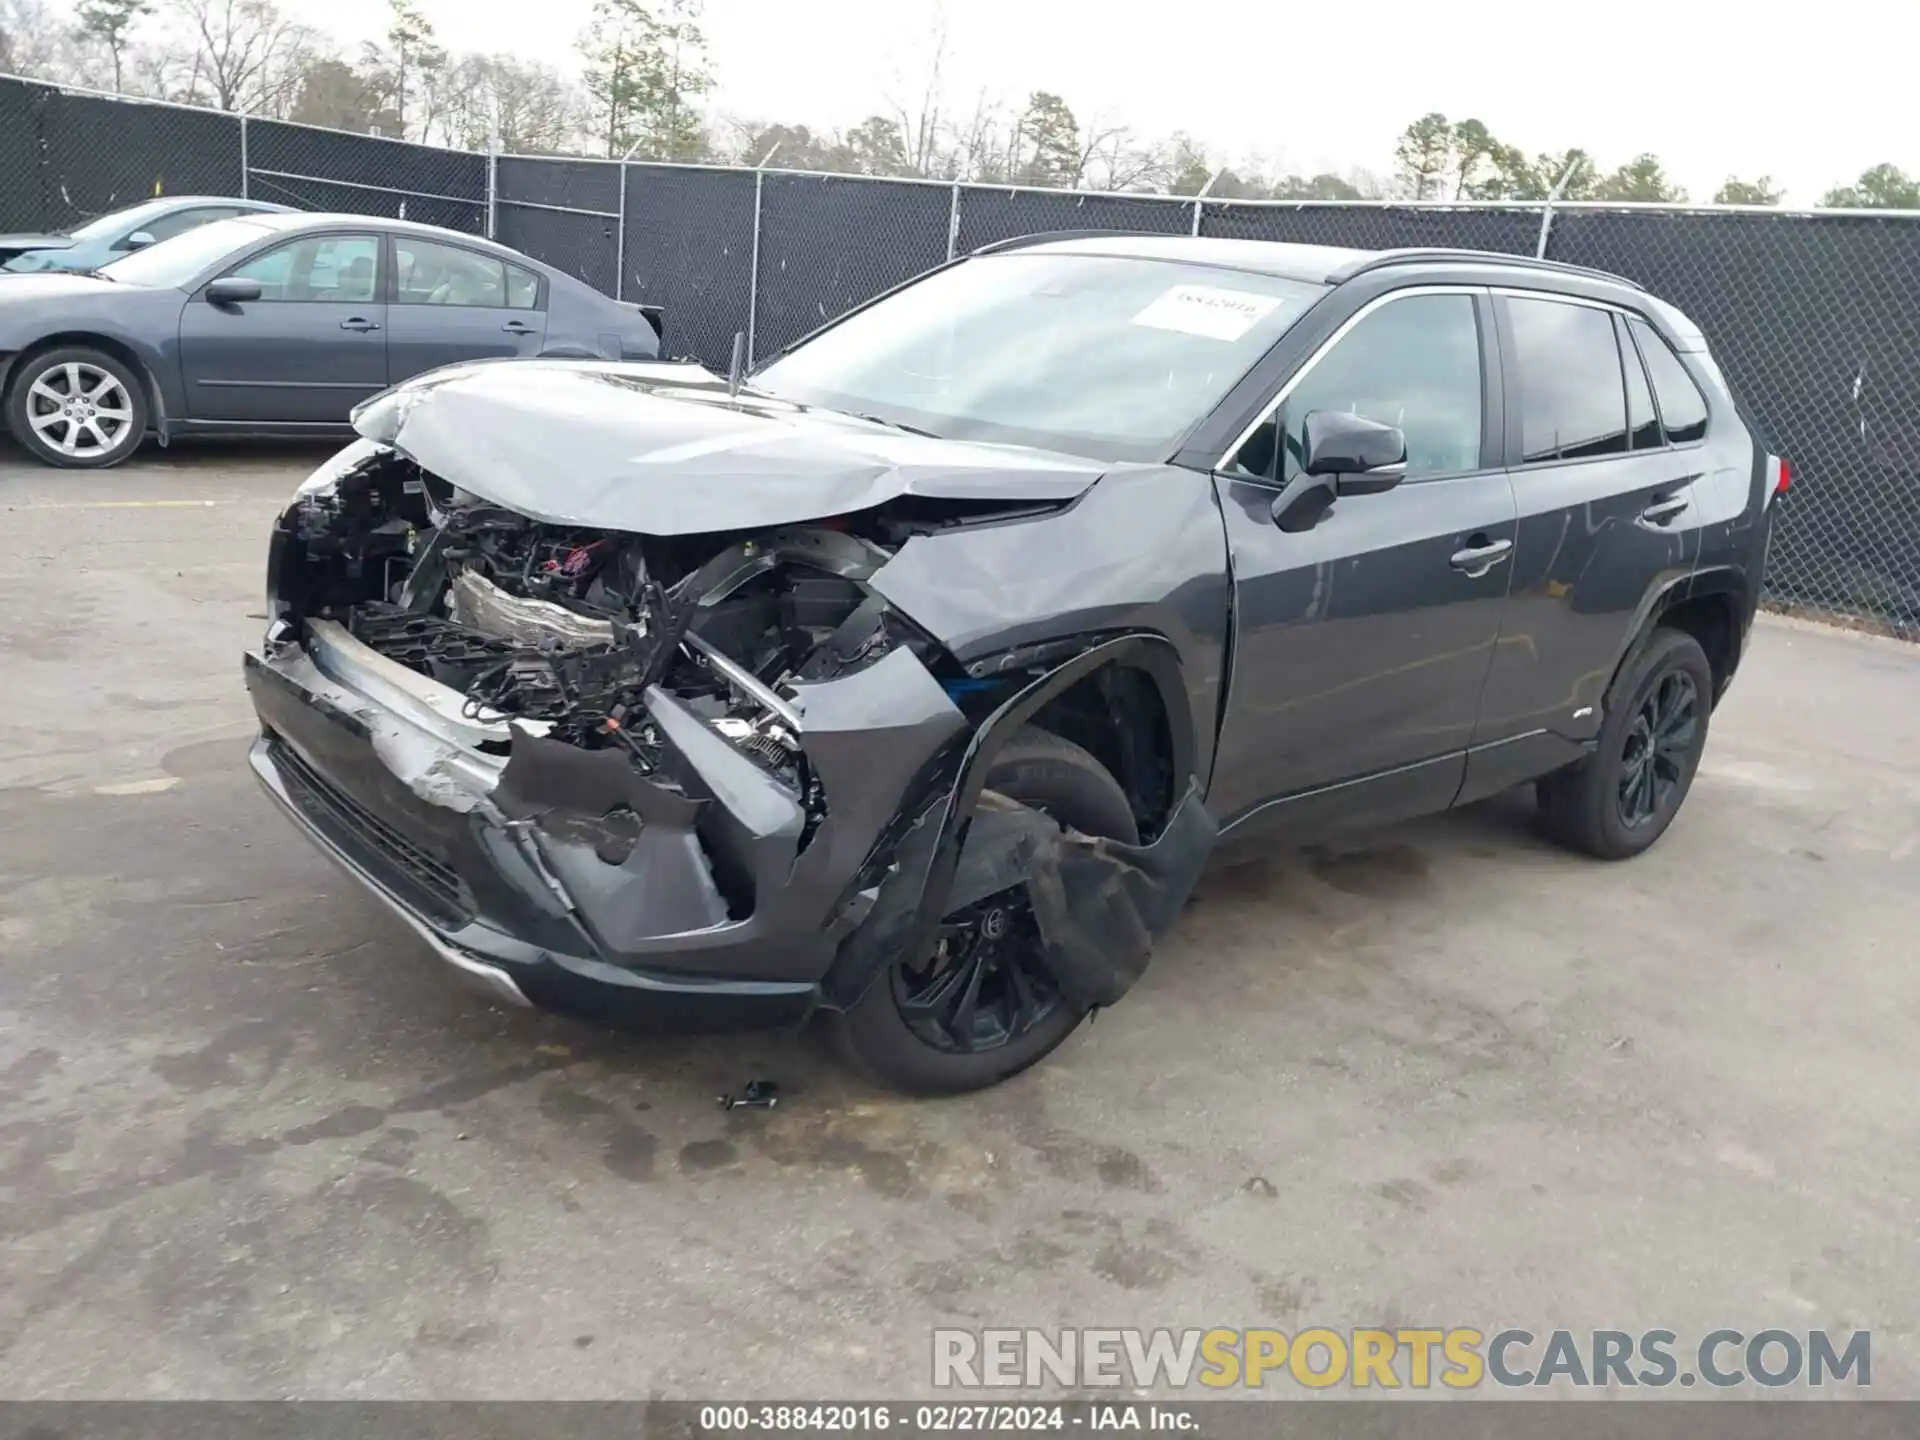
[1144, 551]
[1100, 904]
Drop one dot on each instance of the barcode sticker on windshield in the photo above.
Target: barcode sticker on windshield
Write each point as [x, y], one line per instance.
[1204, 310]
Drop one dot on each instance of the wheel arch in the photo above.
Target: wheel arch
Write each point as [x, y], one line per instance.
[1708, 605]
[925, 861]
[93, 340]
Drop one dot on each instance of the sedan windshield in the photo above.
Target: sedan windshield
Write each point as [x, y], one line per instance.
[179, 260]
[1107, 356]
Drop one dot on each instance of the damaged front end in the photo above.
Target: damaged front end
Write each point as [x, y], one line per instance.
[701, 780]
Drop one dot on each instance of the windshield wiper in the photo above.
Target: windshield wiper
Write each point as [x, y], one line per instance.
[95, 275]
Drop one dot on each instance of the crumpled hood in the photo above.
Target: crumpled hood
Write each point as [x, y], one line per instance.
[659, 449]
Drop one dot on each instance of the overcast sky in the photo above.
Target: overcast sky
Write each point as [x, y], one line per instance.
[1807, 93]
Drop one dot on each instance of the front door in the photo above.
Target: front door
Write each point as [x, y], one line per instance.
[1361, 644]
[452, 304]
[306, 352]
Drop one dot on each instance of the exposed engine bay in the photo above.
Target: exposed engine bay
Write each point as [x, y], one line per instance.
[563, 629]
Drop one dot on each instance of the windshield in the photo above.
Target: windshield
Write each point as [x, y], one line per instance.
[176, 261]
[119, 222]
[1112, 357]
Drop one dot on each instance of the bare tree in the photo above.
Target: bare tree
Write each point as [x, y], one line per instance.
[1105, 150]
[974, 149]
[247, 53]
[920, 118]
[32, 43]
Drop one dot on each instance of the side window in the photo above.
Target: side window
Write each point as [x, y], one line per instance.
[1682, 407]
[1413, 363]
[1643, 424]
[1572, 400]
[338, 268]
[432, 274]
[523, 288]
[181, 221]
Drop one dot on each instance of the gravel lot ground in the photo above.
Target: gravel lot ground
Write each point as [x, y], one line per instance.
[255, 1143]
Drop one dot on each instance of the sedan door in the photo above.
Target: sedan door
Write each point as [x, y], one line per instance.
[306, 352]
[452, 304]
[1361, 642]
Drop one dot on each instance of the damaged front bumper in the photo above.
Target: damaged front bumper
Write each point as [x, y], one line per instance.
[567, 879]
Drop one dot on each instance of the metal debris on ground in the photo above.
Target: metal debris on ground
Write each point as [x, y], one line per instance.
[759, 1095]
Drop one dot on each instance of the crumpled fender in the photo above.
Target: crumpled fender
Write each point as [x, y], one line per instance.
[1100, 904]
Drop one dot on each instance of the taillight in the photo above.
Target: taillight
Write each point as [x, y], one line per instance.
[1785, 477]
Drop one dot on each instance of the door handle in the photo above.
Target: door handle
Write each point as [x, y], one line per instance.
[1477, 560]
[359, 323]
[1664, 508]
[517, 327]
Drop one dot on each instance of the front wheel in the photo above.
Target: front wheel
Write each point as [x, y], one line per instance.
[1622, 798]
[77, 408]
[981, 1006]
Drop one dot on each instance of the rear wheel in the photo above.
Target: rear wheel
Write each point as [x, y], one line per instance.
[78, 408]
[981, 1005]
[1621, 798]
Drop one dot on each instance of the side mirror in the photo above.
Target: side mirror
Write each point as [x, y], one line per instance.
[1362, 456]
[138, 240]
[232, 290]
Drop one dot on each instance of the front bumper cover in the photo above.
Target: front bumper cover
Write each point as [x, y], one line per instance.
[565, 877]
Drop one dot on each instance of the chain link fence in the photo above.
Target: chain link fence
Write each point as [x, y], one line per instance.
[1815, 317]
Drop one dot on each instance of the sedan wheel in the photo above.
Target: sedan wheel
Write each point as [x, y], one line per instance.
[77, 408]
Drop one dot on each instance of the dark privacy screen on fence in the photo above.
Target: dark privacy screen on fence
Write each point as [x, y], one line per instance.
[1814, 318]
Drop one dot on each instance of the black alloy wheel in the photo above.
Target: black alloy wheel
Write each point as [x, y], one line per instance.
[1623, 796]
[1658, 754]
[979, 1004]
[982, 986]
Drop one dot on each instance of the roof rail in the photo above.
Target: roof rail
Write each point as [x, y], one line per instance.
[1038, 237]
[1386, 259]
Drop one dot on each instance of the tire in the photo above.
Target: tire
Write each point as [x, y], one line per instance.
[1612, 805]
[95, 426]
[1056, 776]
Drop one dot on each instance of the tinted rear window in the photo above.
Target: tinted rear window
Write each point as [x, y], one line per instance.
[1572, 397]
[1683, 409]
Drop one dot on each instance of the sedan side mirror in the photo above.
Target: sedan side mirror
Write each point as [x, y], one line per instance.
[1362, 456]
[232, 290]
[138, 240]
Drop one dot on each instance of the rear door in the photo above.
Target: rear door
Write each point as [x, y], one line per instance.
[450, 304]
[1608, 519]
[1361, 644]
[306, 352]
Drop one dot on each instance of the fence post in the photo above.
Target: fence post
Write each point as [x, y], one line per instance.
[953, 222]
[620, 240]
[245, 192]
[1200, 200]
[1546, 215]
[493, 177]
[753, 273]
